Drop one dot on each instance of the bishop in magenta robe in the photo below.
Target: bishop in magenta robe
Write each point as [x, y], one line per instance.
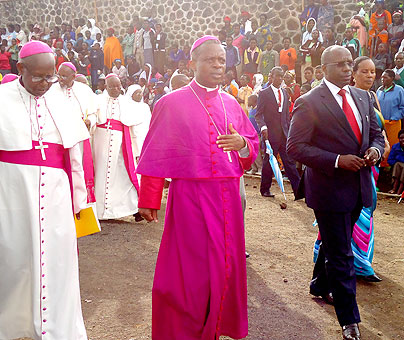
[200, 283]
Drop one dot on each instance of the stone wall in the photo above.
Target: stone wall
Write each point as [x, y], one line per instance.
[183, 20]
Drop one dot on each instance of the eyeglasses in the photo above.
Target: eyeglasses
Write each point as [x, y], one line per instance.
[48, 79]
[341, 64]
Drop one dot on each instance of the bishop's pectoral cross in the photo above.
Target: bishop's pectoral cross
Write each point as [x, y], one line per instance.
[41, 147]
[109, 126]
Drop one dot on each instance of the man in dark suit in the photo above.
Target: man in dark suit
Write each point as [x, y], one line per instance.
[334, 132]
[273, 119]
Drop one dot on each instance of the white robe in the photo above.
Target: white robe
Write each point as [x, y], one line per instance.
[114, 192]
[81, 98]
[39, 281]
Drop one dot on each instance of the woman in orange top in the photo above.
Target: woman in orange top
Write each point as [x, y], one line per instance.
[112, 49]
[287, 56]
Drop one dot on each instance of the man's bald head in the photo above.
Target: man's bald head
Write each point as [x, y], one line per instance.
[179, 80]
[113, 86]
[329, 56]
[337, 65]
[38, 66]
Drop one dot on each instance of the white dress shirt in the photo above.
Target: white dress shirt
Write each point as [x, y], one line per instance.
[276, 93]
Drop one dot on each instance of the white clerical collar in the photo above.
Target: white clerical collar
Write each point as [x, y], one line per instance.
[334, 88]
[208, 89]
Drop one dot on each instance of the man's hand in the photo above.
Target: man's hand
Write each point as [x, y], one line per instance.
[264, 134]
[351, 162]
[149, 214]
[88, 124]
[78, 215]
[289, 54]
[231, 142]
[371, 156]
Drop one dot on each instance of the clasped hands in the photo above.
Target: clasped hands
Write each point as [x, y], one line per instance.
[355, 163]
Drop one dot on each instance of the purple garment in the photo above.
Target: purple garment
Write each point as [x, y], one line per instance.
[181, 142]
[200, 283]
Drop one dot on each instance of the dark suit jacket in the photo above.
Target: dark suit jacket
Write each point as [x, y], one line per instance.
[319, 132]
[267, 114]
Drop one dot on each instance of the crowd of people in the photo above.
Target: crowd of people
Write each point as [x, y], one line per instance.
[109, 102]
[145, 57]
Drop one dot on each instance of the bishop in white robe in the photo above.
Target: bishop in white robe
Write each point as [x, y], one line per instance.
[113, 149]
[82, 102]
[40, 163]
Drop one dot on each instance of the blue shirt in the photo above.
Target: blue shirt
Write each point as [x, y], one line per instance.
[392, 102]
[251, 117]
[396, 154]
[232, 56]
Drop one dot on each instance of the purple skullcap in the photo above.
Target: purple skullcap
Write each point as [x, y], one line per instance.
[201, 40]
[111, 75]
[34, 47]
[69, 65]
[9, 77]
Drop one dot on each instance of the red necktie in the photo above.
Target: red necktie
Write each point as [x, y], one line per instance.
[280, 98]
[350, 116]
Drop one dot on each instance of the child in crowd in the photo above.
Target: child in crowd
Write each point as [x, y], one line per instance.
[88, 39]
[256, 167]
[97, 64]
[120, 71]
[308, 75]
[269, 59]
[229, 86]
[382, 61]
[305, 88]
[252, 57]
[83, 64]
[319, 75]
[351, 43]
[100, 84]
[245, 92]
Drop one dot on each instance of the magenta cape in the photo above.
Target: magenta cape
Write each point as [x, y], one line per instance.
[181, 142]
[200, 283]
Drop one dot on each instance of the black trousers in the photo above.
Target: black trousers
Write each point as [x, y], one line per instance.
[288, 164]
[334, 269]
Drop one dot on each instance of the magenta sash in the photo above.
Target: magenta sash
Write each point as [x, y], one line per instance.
[126, 148]
[88, 168]
[56, 157]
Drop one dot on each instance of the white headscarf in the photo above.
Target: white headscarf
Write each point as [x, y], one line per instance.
[307, 35]
[132, 89]
[143, 74]
[259, 79]
[94, 29]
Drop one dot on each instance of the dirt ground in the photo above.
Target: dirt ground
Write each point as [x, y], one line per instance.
[117, 267]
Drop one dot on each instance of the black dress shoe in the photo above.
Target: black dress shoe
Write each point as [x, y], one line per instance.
[351, 332]
[371, 278]
[247, 255]
[267, 194]
[327, 297]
